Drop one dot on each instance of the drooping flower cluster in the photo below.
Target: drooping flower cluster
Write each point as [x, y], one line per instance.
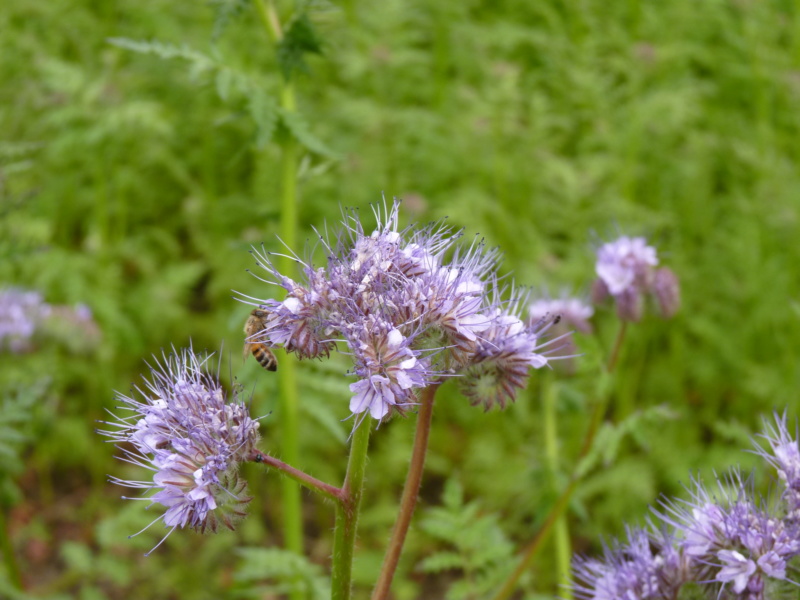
[185, 430]
[406, 314]
[727, 542]
[626, 270]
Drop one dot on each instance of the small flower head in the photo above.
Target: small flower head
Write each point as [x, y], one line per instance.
[647, 567]
[183, 429]
[626, 271]
[410, 307]
[625, 263]
[784, 455]
[388, 370]
[507, 349]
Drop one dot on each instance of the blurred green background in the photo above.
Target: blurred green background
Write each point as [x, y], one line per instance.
[128, 184]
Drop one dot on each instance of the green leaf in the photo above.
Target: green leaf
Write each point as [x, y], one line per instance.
[298, 128]
[264, 112]
[265, 571]
[300, 39]
[200, 62]
[226, 11]
[442, 561]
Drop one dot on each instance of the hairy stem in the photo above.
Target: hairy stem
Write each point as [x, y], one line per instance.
[344, 534]
[290, 491]
[304, 479]
[410, 493]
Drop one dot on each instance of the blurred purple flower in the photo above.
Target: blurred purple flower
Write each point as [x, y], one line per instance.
[626, 271]
[21, 312]
[624, 263]
[572, 312]
[406, 315]
[192, 438]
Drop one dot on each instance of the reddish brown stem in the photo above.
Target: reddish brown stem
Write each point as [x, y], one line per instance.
[299, 476]
[410, 493]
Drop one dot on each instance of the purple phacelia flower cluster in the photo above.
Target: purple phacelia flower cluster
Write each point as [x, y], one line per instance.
[21, 312]
[406, 313]
[726, 542]
[185, 430]
[626, 270]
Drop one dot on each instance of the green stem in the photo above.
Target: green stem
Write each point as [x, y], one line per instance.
[563, 549]
[290, 493]
[344, 535]
[562, 502]
[410, 492]
[304, 479]
[7, 550]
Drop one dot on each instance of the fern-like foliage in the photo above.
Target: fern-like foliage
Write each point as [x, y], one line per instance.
[300, 39]
[235, 86]
[474, 545]
[609, 438]
[224, 12]
[16, 416]
[268, 572]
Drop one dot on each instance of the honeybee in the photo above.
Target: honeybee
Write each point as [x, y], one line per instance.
[256, 323]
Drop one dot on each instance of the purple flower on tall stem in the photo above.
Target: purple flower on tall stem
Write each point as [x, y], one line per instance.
[626, 271]
[405, 312]
[192, 438]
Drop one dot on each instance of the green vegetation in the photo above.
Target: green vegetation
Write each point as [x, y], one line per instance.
[141, 154]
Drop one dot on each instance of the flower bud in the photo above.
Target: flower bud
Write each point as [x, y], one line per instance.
[630, 305]
[667, 291]
[599, 293]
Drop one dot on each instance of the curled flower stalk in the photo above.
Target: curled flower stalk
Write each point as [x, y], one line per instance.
[182, 427]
